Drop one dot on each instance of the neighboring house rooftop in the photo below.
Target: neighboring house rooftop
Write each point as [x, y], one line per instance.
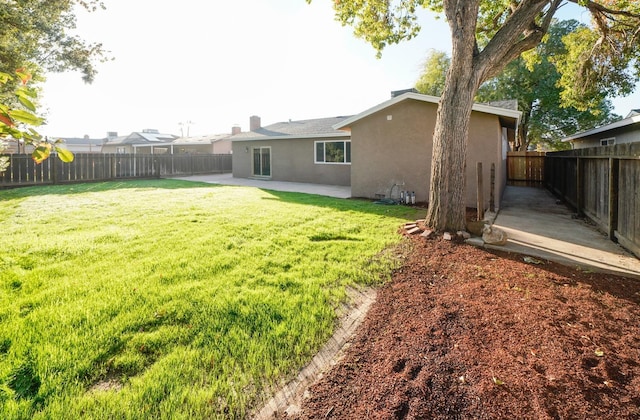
[510, 114]
[631, 120]
[313, 128]
[206, 139]
[145, 136]
[633, 113]
[79, 140]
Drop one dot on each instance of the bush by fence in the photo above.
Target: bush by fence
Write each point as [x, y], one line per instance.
[102, 167]
[602, 183]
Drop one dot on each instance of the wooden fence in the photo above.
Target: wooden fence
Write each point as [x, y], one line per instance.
[525, 168]
[88, 167]
[602, 183]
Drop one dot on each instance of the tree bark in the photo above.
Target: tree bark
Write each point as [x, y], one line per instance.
[469, 68]
[448, 160]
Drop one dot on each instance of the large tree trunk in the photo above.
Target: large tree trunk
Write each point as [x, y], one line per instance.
[469, 68]
[448, 160]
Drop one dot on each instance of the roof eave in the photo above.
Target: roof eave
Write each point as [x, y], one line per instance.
[293, 137]
[502, 112]
[613, 126]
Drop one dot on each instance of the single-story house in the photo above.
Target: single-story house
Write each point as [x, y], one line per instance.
[217, 144]
[297, 151]
[626, 130]
[83, 145]
[73, 144]
[148, 141]
[378, 152]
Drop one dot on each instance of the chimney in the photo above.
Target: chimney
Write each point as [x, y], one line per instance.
[236, 130]
[254, 123]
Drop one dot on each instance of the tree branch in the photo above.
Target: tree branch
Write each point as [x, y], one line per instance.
[521, 32]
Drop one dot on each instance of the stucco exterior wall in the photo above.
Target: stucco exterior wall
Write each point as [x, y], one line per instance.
[394, 145]
[291, 160]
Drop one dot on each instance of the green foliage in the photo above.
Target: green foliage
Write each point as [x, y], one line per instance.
[14, 121]
[37, 32]
[432, 79]
[533, 81]
[173, 299]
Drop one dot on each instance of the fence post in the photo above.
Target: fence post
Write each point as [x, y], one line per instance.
[579, 187]
[480, 191]
[614, 175]
[492, 198]
[53, 169]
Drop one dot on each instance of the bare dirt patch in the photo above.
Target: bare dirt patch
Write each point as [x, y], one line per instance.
[464, 333]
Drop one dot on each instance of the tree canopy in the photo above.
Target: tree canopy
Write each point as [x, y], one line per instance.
[35, 34]
[486, 35]
[433, 77]
[533, 80]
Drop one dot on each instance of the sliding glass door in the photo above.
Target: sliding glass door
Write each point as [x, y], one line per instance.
[262, 161]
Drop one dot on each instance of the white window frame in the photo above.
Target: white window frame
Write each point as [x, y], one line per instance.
[324, 162]
[609, 141]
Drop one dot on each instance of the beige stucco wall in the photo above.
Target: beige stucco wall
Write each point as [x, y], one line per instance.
[291, 160]
[393, 146]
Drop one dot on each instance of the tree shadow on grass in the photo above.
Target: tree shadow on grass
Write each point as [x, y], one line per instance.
[340, 204]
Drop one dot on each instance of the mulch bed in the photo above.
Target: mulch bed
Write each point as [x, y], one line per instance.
[464, 333]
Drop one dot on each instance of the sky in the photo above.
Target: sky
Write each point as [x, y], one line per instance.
[198, 67]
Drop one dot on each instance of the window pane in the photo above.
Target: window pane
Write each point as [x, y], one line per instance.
[256, 161]
[334, 151]
[348, 147]
[319, 151]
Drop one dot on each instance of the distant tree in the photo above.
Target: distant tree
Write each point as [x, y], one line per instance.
[487, 35]
[432, 79]
[534, 81]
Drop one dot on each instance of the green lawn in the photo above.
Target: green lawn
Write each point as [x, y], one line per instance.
[172, 299]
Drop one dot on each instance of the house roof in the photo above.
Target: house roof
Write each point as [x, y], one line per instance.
[80, 140]
[501, 112]
[314, 128]
[206, 139]
[143, 137]
[627, 122]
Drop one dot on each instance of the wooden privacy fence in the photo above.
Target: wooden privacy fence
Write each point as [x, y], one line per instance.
[602, 183]
[88, 167]
[525, 168]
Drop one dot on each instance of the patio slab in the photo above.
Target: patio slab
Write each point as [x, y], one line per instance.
[539, 225]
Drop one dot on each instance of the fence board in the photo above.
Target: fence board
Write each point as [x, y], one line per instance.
[88, 167]
[525, 168]
[602, 183]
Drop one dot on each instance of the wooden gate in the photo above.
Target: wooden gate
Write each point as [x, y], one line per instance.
[525, 168]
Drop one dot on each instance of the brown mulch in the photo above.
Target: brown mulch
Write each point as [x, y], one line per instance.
[464, 333]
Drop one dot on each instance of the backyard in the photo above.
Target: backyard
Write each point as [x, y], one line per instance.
[462, 333]
[173, 299]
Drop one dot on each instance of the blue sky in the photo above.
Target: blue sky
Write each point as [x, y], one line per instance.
[217, 63]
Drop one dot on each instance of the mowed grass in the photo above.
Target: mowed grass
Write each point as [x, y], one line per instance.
[169, 299]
